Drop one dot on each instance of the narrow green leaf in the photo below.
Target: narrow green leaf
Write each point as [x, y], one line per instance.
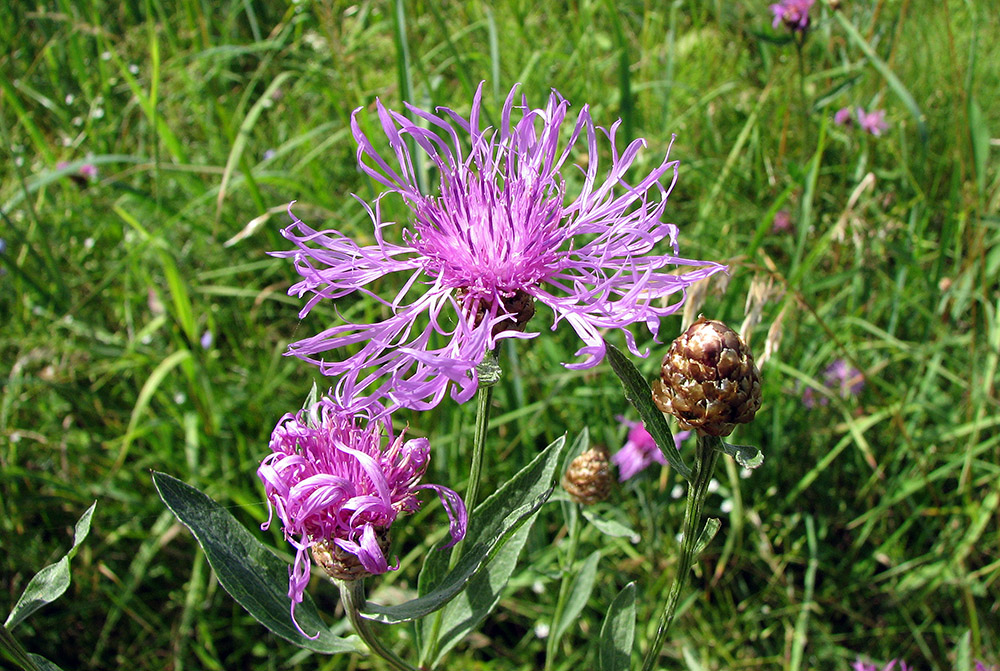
[464, 613]
[639, 395]
[253, 575]
[579, 594]
[49, 584]
[472, 560]
[979, 136]
[712, 526]
[43, 664]
[607, 526]
[618, 632]
[746, 456]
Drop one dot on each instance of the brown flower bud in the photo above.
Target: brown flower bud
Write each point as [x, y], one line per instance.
[708, 379]
[588, 478]
[341, 564]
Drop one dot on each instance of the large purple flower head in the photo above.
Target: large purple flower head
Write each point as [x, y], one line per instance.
[337, 491]
[640, 450]
[500, 232]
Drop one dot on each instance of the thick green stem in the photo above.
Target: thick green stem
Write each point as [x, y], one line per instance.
[564, 585]
[705, 458]
[352, 594]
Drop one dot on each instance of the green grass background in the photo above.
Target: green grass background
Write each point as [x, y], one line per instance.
[872, 526]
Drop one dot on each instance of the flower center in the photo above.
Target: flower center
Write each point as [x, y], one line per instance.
[490, 240]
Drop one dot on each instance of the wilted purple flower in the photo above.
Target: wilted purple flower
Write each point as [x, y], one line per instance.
[336, 490]
[640, 450]
[843, 117]
[495, 236]
[873, 122]
[793, 13]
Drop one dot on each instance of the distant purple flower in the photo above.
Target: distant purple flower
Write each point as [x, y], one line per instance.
[330, 482]
[793, 13]
[3, 245]
[499, 232]
[640, 450]
[207, 339]
[838, 378]
[782, 222]
[843, 117]
[873, 122]
[981, 666]
[891, 666]
[88, 170]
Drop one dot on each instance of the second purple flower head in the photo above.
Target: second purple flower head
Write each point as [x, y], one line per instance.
[498, 233]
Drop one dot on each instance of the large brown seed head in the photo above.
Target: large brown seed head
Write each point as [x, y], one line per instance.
[708, 379]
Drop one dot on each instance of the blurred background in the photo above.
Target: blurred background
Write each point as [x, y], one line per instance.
[152, 148]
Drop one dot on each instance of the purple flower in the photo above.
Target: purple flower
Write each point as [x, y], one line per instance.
[873, 122]
[891, 666]
[497, 234]
[335, 488]
[981, 666]
[640, 450]
[843, 117]
[782, 222]
[207, 339]
[838, 378]
[793, 13]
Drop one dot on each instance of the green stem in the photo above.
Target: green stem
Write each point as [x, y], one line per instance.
[705, 458]
[564, 585]
[352, 594]
[799, 47]
[489, 375]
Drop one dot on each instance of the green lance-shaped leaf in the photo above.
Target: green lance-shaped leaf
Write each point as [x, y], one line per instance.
[252, 574]
[482, 593]
[712, 526]
[472, 560]
[638, 393]
[618, 632]
[50, 583]
[608, 526]
[746, 456]
[579, 594]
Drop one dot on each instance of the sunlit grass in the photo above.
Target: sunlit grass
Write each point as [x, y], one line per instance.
[872, 527]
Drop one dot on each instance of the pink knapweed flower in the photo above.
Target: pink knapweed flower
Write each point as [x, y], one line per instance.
[872, 122]
[793, 13]
[843, 117]
[498, 233]
[337, 490]
[640, 450]
[981, 666]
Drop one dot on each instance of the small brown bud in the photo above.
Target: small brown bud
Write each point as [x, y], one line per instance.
[588, 478]
[341, 564]
[708, 379]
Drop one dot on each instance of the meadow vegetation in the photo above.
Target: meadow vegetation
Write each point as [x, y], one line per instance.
[144, 324]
